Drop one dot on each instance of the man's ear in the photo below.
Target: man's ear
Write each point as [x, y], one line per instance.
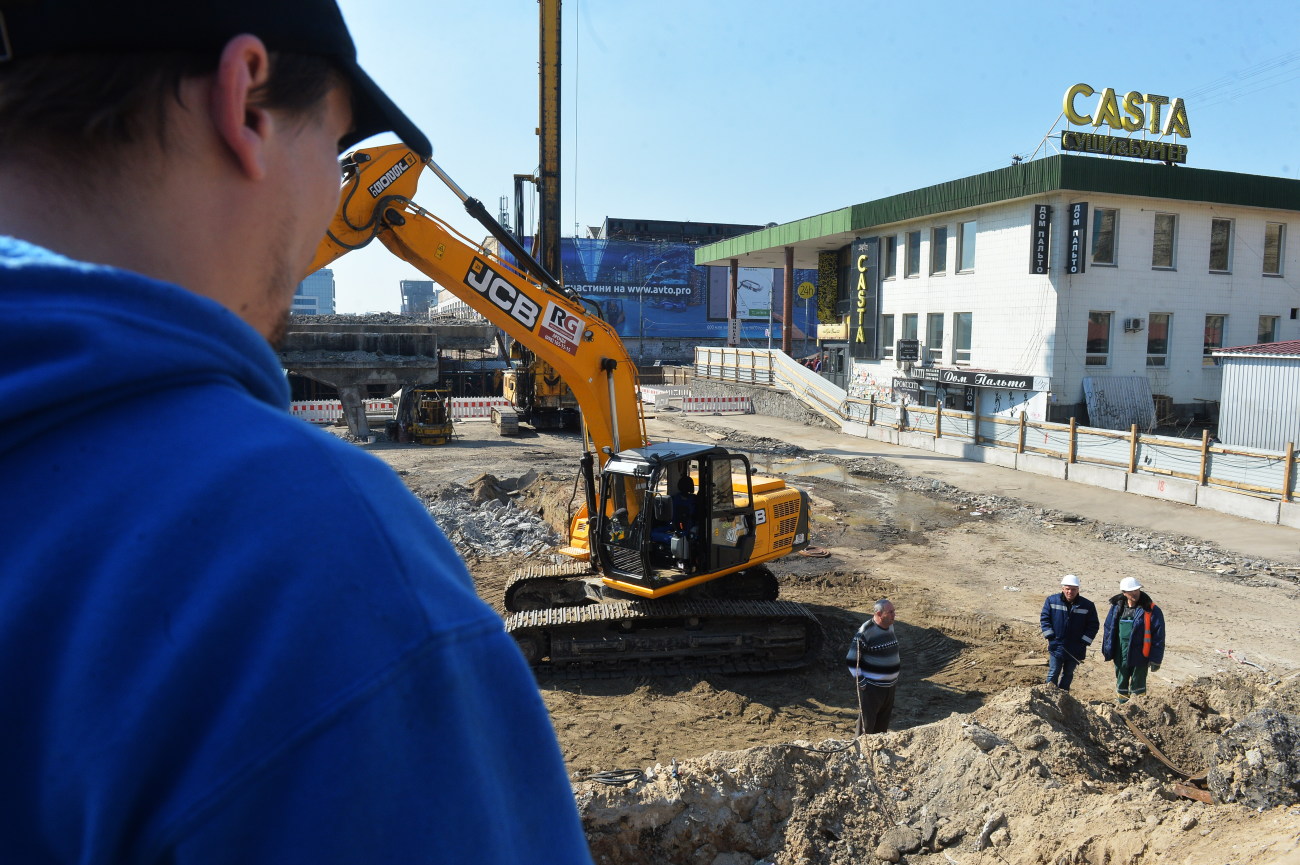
[242, 125]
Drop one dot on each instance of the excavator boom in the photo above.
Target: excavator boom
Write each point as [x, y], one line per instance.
[585, 350]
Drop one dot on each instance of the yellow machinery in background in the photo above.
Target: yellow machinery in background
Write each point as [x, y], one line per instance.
[538, 393]
[423, 416]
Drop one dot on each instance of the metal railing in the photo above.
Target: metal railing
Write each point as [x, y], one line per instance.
[773, 368]
[740, 365]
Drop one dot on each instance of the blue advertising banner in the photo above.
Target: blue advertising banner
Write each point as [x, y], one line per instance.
[655, 290]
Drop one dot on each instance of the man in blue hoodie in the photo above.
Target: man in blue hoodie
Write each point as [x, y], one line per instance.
[234, 643]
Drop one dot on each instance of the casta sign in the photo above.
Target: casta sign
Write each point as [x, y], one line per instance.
[1136, 111]
[1139, 110]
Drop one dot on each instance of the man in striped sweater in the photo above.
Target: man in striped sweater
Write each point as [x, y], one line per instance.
[873, 661]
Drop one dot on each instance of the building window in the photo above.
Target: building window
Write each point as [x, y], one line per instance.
[1267, 329]
[913, 253]
[1105, 225]
[966, 247]
[939, 250]
[1214, 325]
[1220, 245]
[1158, 339]
[909, 326]
[934, 335]
[889, 256]
[887, 336]
[961, 322]
[1098, 339]
[1274, 247]
[1164, 241]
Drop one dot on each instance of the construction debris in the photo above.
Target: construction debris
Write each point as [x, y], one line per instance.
[961, 787]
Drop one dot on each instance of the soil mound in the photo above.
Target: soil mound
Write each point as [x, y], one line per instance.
[1033, 776]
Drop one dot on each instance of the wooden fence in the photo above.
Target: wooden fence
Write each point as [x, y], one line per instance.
[1256, 472]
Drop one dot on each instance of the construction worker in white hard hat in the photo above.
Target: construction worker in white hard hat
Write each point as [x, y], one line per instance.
[1069, 622]
[1134, 638]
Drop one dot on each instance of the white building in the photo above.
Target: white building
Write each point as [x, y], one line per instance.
[315, 294]
[1045, 273]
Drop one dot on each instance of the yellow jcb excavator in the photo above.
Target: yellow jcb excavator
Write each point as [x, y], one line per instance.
[669, 547]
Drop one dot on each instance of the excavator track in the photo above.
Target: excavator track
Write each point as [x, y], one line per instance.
[539, 587]
[666, 637]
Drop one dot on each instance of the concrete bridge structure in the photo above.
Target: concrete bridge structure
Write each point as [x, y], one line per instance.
[353, 355]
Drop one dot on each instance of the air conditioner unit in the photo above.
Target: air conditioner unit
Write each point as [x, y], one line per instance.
[926, 359]
[1132, 325]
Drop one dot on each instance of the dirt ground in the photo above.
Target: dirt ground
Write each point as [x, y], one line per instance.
[1064, 779]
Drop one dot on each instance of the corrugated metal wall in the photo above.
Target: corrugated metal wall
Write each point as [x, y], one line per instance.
[1119, 401]
[1260, 406]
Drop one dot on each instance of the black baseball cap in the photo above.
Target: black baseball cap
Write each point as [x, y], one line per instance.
[312, 27]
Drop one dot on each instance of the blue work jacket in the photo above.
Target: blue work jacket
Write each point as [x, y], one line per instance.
[1070, 627]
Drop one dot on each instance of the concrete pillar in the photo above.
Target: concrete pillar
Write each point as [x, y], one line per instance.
[787, 303]
[354, 411]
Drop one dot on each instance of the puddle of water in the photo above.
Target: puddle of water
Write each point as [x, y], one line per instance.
[853, 520]
[906, 510]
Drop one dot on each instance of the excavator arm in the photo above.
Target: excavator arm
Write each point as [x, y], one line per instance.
[376, 202]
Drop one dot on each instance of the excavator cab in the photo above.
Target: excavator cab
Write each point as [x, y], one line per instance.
[674, 512]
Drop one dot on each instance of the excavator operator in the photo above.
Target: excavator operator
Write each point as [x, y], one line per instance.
[684, 501]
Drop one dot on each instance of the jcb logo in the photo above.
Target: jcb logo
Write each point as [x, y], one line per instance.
[497, 289]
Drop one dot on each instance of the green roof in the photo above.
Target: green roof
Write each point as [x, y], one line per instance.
[1035, 178]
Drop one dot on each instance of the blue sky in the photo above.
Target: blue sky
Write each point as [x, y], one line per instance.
[755, 111]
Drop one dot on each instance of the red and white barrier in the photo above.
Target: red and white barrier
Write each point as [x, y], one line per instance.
[717, 404]
[657, 396]
[475, 407]
[317, 411]
[330, 410]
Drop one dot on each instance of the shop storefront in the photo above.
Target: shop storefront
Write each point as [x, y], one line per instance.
[992, 394]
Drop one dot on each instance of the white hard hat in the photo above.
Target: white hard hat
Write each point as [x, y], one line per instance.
[1129, 584]
[1070, 580]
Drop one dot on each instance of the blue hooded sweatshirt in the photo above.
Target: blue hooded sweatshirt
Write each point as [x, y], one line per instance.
[225, 636]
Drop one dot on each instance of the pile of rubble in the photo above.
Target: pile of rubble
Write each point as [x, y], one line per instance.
[485, 519]
[368, 318]
[376, 318]
[1160, 548]
[1034, 776]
